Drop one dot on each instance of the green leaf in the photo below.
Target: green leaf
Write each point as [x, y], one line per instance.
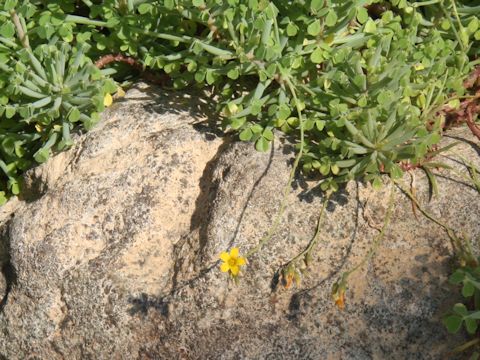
[210, 77]
[237, 123]
[445, 24]
[362, 15]
[246, 135]
[198, 3]
[14, 187]
[283, 112]
[268, 134]
[42, 155]
[8, 145]
[257, 129]
[74, 115]
[233, 74]
[10, 111]
[473, 25]
[331, 18]
[314, 28]
[396, 172]
[433, 181]
[370, 27]
[457, 277]
[3, 198]
[316, 5]
[262, 144]
[7, 30]
[292, 29]
[471, 325]
[9, 5]
[460, 309]
[320, 124]
[453, 323]
[317, 56]
[144, 8]
[468, 289]
[377, 183]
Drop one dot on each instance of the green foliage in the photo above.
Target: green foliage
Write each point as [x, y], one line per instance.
[467, 278]
[360, 79]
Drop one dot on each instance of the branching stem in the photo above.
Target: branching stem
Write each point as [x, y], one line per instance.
[378, 239]
[21, 31]
[288, 187]
[311, 245]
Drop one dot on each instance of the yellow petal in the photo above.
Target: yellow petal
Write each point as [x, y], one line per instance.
[235, 270]
[107, 100]
[241, 261]
[120, 92]
[234, 252]
[224, 267]
[225, 256]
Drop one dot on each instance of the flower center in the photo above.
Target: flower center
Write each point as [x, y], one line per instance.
[232, 262]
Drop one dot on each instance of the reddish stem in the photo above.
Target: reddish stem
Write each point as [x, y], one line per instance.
[469, 120]
[107, 59]
[159, 79]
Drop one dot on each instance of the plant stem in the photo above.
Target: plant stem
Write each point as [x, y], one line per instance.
[378, 238]
[306, 252]
[460, 251]
[288, 187]
[465, 346]
[85, 21]
[425, 3]
[21, 32]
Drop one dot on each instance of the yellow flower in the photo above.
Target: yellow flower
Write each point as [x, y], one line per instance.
[339, 299]
[120, 92]
[232, 262]
[107, 100]
[338, 292]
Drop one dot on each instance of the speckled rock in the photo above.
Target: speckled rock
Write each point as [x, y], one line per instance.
[113, 251]
[97, 231]
[394, 303]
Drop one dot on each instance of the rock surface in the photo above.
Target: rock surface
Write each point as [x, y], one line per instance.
[112, 253]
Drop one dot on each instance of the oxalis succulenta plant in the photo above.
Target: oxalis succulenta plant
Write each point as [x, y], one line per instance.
[364, 88]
